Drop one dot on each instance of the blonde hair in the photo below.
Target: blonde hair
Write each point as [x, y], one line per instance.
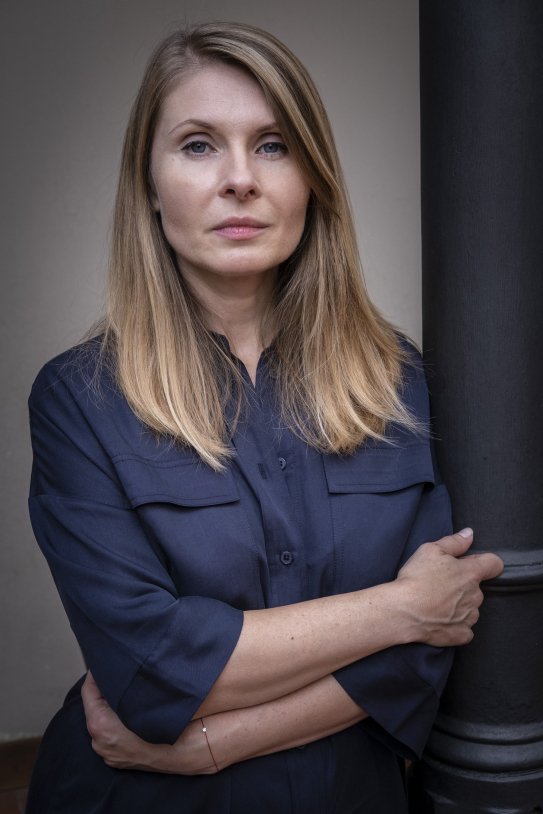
[336, 360]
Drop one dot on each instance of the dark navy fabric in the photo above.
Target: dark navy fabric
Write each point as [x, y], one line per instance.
[156, 556]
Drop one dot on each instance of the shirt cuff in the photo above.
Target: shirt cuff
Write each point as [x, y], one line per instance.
[174, 680]
[399, 688]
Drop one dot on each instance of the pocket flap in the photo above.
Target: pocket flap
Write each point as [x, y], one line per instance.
[379, 469]
[186, 481]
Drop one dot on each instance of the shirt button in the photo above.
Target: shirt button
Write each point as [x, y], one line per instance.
[282, 463]
[286, 557]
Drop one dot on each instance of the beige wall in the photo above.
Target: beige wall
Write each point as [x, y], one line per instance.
[72, 70]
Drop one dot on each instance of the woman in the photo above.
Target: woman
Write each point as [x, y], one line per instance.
[233, 479]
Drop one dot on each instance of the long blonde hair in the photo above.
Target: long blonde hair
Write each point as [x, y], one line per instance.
[336, 360]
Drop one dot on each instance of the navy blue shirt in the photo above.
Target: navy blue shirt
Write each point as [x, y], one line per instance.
[156, 556]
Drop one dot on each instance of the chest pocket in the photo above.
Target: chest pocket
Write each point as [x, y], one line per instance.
[194, 518]
[183, 480]
[374, 497]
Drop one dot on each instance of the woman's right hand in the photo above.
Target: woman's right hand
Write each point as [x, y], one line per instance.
[443, 589]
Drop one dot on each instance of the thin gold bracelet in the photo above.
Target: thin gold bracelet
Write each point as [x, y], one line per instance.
[204, 730]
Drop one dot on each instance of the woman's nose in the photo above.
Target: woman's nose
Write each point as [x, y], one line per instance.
[239, 179]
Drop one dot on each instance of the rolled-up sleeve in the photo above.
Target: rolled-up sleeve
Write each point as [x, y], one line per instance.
[154, 654]
[400, 687]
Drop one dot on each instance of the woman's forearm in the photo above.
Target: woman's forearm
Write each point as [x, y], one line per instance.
[301, 717]
[434, 600]
[306, 715]
[283, 649]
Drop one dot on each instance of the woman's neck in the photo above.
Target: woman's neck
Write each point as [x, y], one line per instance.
[237, 307]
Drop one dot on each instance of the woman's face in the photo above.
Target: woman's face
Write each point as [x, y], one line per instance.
[232, 200]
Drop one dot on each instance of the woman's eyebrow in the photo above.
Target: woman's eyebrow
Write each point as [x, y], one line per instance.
[196, 122]
[203, 125]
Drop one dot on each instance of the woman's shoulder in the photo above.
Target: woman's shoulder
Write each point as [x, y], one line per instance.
[413, 381]
[81, 367]
[77, 394]
[409, 350]
[81, 377]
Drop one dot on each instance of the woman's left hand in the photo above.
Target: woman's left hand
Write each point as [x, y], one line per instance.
[121, 748]
[118, 746]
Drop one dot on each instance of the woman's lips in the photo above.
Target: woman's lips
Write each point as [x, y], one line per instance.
[240, 228]
[239, 232]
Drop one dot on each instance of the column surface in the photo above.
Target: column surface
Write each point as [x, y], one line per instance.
[482, 240]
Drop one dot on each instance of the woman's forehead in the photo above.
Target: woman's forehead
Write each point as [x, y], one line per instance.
[215, 92]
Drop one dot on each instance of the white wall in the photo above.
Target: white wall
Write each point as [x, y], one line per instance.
[70, 71]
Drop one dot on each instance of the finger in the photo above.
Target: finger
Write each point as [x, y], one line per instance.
[474, 617]
[456, 544]
[90, 692]
[487, 565]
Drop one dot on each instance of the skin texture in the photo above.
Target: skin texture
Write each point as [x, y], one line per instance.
[280, 671]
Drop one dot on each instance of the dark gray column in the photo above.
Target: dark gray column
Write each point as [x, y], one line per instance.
[482, 220]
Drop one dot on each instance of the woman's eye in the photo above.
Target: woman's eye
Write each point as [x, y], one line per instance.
[196, 147]
[273, 148]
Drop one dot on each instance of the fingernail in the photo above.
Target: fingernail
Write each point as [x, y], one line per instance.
[467, 532]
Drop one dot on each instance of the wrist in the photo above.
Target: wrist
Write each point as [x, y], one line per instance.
[408, 597]
[155, 757]
[204, 731]
[226, 738]
[191, 753]
[398, 605]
